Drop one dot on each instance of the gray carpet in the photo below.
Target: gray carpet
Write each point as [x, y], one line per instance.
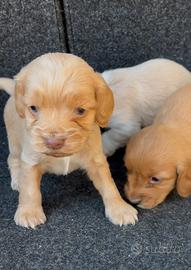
[108, 34]
[78, 236]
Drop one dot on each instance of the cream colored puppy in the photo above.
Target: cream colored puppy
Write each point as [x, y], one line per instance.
[139, 92]
[53, 124]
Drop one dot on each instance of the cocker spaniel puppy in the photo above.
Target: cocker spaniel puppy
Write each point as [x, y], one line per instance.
[53, 122]
[139, 92]
[158, 158]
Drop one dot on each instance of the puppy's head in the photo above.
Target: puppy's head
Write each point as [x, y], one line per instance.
[61, 99]
[156, 162]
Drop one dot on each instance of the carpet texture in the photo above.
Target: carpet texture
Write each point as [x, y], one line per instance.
[28, 29]
[108, 34]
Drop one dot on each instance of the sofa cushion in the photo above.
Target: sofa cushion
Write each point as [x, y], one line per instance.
[110, 34]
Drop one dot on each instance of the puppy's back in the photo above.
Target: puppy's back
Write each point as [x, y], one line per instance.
[144, 87]
[177, 108]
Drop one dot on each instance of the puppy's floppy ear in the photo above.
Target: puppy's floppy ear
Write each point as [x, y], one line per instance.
[105, 101]
[183, 184]
[19, 94]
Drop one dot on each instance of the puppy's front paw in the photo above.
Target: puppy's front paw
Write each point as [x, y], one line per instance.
[121, 213]
[29, 217]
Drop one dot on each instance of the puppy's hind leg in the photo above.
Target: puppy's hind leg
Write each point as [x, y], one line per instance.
[118, 137]
[14, 143]
[110, 144]
[14, 167]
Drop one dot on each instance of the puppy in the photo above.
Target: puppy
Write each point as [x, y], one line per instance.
[53, 122]
[139, 92]
[158, 158]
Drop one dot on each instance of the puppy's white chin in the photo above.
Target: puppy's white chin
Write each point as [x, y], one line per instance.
[135, 201]
[145, 206]
[57, 155]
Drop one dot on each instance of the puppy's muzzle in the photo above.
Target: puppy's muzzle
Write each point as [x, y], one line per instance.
[54, 143]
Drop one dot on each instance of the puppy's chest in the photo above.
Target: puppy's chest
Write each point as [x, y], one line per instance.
[61, 166]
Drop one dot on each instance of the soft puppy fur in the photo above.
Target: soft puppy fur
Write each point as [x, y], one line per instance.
[158, 158]
[139, 92]
[53, 122]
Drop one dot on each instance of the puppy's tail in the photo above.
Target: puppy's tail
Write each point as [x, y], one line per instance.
[8, 85]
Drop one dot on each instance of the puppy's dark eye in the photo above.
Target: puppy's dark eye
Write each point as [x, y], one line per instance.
[154, 180]
[80, 111]
[33, 109]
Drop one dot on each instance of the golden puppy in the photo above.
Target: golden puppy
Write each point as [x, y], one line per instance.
[158, 158]
[54, 127]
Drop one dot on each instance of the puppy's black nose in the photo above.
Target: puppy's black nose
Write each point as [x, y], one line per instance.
[54, 143]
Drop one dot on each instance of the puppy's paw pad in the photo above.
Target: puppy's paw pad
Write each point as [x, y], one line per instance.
[29, 218]
[122, 213]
